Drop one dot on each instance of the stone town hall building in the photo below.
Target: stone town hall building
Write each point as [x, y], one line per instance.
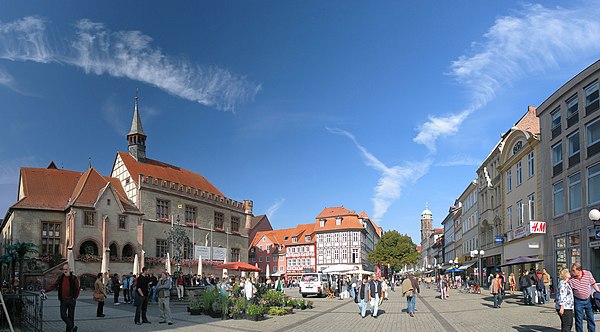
[128, 213]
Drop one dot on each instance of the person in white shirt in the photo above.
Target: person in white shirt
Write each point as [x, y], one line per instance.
[248, 291]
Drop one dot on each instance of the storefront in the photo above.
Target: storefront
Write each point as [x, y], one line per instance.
[567, 248]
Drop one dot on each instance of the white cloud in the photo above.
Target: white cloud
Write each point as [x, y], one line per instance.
[392, 180]
[531, 41]
[272, 210]
[5, 78]
[129, 54]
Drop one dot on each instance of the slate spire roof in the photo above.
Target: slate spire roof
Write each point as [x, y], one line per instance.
[136, 123]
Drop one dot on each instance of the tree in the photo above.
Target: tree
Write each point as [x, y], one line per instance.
[18, 252]
[395, 249]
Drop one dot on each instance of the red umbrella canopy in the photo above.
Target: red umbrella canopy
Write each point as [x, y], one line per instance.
[238, 266]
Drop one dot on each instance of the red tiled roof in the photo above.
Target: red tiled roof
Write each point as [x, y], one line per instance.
[168, 172]
[350, 220]
[334, 212]
[48, 189]
[55, 189]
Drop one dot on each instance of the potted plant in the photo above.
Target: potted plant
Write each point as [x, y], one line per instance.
[236, 310]
[195, 307]
[255, 312]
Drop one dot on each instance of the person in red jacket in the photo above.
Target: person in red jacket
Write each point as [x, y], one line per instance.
[67, 285]
[180, 284]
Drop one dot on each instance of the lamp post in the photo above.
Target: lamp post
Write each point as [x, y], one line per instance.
[178, 238]
[594, 215]
[479, 254]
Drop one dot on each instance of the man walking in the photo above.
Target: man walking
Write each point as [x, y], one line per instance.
[496, 290]
[375, 288]
[141, 297]
[164, 295]
[546, 279]
[363, 296]
[582, 293]
[116, 284]
[68, 292]
[410, 289]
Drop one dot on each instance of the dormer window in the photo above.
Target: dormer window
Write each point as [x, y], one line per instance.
[286, 238]
[307, 238]
[338, 221]
[322, 222]
[294, 239]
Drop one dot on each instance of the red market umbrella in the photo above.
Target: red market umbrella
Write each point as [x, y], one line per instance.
[238, 266]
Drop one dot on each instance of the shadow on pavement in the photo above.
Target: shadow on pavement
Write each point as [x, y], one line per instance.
[534, 328]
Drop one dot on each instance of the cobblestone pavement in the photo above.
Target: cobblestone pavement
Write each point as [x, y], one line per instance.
[460, 312]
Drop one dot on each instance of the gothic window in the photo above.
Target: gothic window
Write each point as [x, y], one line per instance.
[219, 218]
[89, 218]
[113, 251]
[50, 238]
[161, 248]
[235, 224]
[190, 214]
[127, 251]
[162, 209]
[122, 222]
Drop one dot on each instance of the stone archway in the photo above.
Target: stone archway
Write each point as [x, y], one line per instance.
[114, 251]
[127, 251]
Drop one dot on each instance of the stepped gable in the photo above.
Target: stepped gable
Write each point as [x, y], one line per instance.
[168, 172]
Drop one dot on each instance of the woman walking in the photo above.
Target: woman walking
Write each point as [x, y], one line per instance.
[565, 301]
[99, 295]
[512, 283]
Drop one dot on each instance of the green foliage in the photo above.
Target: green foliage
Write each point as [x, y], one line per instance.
[395, 249]
[255, 310]
[277, 311]
[275, 298]
[195, 299]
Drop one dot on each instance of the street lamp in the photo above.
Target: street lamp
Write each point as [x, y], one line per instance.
[479, 254]
[594, 215]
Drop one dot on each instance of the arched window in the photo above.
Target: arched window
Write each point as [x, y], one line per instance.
[88, 248]
[113, 251]
[127, 251]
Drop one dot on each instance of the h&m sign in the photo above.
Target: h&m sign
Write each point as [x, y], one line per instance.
[537, 227]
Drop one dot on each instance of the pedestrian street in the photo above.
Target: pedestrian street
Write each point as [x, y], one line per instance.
[460, 312]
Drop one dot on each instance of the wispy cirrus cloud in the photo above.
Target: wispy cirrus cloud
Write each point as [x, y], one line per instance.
[531, 40]
[392, 180]
[272, 210]
[129, 54]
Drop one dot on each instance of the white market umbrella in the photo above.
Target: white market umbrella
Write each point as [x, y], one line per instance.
[168, 264]
[136, 265]
[268, 272]
[256, 273]
[104, 267]
[200, 266]
[243, 274]
[71, 260]
[142, 258]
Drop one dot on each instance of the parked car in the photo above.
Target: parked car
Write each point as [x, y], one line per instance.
[314, 284]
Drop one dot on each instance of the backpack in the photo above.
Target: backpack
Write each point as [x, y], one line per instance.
[540, 284]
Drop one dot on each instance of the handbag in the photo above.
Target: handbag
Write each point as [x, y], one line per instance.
[98, 297]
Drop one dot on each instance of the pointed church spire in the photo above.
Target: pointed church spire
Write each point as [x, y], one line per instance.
[136, 123]
[136, 138]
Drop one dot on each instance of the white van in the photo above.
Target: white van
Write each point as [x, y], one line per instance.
[314, 284]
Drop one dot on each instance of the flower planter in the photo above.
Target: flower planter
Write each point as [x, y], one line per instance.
[215, 314]
[255, 318]
[195, 311]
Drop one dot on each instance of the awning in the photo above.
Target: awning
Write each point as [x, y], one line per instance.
[466, 266]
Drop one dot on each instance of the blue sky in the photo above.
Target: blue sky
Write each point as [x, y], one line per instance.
[296, 105]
